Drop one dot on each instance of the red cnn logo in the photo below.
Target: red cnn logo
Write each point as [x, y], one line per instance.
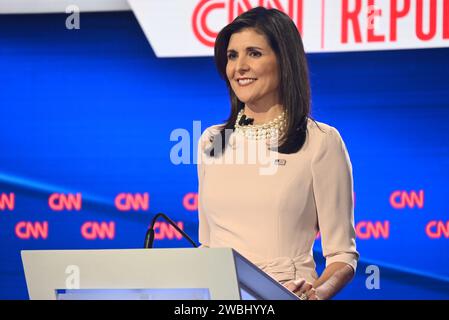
[69, 202]
[164, 230]
[400, 199]
[26, 230]
[367, 229]
[190, 201]
[7, 201]
[233, 8]
[437, 229]
[92, 230]
[129, 201]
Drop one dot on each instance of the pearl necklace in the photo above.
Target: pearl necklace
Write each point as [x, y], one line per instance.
[269, 130]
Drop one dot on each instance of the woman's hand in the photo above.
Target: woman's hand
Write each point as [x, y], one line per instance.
[303, 289]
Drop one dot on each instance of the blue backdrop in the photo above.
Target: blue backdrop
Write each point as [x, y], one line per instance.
[92, 110]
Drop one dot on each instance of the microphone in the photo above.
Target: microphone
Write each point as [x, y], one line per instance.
[244, 121]
[149, 236]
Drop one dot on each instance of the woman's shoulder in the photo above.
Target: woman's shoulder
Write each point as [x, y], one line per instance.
[213, 129]
[322, 133]
[318, 127]
[208, 134]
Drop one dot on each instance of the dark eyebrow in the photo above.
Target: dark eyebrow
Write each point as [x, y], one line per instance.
[247, 49]
[253, 48]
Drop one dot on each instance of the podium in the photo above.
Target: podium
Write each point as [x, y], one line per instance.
[147, 274]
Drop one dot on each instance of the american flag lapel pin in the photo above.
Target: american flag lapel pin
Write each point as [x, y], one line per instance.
[280, 162]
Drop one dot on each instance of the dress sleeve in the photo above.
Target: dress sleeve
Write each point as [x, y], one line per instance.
[203, 229]
[333, 193]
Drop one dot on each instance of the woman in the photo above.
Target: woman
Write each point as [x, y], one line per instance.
[273, 219]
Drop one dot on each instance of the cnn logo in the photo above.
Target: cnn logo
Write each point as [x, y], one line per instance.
[68, 202]
[368, 229]
[230, 9]
[27, 230]
[130, 201]
[92, 230]
[190, 201]
[437, 229]
[7, 201]
[400, 199]
[164, 231]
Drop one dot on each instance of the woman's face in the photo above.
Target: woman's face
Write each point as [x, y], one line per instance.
[252, 69]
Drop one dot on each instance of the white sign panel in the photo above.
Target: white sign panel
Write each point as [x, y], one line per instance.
[177, 28]
[60, 6]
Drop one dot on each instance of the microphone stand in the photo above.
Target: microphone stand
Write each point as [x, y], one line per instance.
[149, 236]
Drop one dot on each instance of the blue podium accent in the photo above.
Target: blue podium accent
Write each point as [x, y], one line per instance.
[133, 294]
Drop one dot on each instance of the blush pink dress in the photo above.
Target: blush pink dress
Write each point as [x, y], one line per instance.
[271, 209]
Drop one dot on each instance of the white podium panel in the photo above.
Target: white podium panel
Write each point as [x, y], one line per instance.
[162, 274]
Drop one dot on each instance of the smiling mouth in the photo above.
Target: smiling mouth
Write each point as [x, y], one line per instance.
[245, 81]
